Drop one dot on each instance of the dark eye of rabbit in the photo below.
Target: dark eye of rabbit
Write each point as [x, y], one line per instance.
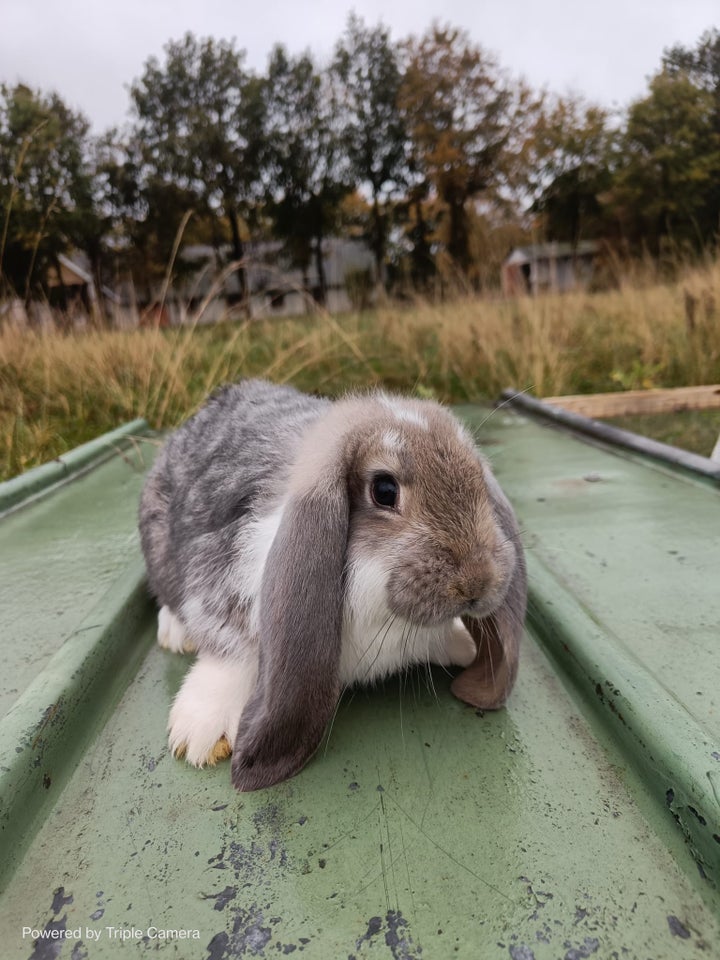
[384, 490]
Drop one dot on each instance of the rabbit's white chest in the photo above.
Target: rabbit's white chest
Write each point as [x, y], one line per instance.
[376, 642]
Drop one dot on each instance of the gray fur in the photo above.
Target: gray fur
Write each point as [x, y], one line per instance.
[298, 685]
[229, 464]
[225, 464]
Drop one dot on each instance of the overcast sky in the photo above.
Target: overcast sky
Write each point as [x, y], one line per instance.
[90, 50]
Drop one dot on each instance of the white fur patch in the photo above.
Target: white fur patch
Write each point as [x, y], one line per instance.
[458, 649]
[392, 440]
[243, 576]
[404, 413]
[375, 643]
[366, 590]
[250, 565]
[209, 705]
[171, 633]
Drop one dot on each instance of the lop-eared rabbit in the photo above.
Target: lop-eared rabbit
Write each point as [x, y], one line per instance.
[301, 545]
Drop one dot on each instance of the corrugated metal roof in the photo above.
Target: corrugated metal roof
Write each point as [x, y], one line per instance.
[581, 820]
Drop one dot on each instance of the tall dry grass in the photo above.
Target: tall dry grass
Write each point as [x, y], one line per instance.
[57, 390]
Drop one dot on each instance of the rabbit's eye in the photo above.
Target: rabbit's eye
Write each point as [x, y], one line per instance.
[384, 490]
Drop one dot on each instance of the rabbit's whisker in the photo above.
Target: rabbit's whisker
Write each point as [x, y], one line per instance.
[498, 406]
[390, 620]
[483, 639]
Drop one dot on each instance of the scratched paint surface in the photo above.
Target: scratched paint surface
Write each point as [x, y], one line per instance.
[420, 829]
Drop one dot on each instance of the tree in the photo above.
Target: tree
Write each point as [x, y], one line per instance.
[44, 183]
[701, 66]
[461, 115]
[91, 222]
[199, 118]
[670, 163]
[373, 134]
[307, 167]
[573, 148]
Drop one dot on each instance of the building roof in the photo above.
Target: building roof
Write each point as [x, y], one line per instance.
[72, 274]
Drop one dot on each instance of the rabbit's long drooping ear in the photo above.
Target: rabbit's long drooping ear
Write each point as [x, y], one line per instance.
[487, 682]
[301, 609]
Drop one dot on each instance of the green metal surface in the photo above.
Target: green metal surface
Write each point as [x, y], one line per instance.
[560, 827]
[625, 595]
[59, 553]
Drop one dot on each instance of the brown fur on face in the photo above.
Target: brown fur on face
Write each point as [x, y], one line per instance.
[446, 554]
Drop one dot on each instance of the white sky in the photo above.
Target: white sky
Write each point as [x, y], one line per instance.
[90, 50]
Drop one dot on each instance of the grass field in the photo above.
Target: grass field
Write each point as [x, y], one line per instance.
[59, 390]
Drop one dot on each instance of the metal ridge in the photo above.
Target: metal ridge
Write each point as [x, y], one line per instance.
[614, 436]
[45, 733]
[39, 480]
[674, 755]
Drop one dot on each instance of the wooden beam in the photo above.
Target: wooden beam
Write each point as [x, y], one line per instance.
[632, 402]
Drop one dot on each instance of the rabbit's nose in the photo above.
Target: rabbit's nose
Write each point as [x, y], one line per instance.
[478, 585]
[470, 596]
[475, 584]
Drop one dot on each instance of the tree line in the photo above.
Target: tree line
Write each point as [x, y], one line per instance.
[425, 147]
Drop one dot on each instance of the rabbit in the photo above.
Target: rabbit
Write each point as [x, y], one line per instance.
[300, 545]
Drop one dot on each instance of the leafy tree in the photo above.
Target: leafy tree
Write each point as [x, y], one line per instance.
[701, 66]
[90, 224]
[417, 217]
[45, 183]
[307, 167]
[462, 115]
[368, 66]
[573, 147]
[199, 119]
[144, 214]
[671, 163]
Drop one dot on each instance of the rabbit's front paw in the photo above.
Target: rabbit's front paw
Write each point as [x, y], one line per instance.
[172, 634]
[457, 648]
[198, 754]
[205, 715]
